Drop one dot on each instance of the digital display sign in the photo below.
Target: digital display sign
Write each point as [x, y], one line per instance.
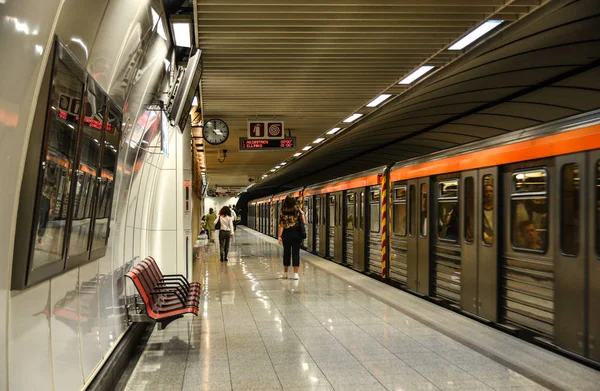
[281, 144]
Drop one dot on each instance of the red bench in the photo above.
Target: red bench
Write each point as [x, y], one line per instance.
[166, 297]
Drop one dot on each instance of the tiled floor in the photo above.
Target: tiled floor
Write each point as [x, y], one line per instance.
[258, 332]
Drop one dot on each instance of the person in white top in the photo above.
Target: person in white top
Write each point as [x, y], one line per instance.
[233, 216]
[225, 232]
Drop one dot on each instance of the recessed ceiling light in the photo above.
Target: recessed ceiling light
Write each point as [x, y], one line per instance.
[181, 30]
[306, 148]
[416, 74]
[379, 100]
[476, 34]
[320, 139]
[333, 131]
[353, 118]
[297, 154]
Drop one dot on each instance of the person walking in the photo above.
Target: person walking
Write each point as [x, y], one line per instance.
[210, 224]
[291, 221]
[226, 232]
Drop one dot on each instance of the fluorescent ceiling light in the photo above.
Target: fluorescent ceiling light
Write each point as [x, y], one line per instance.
[475, 34]
[379, 100]
[297, 154]
[353, 117]
[264, 176]
[195, 101]
[167, 64]
[282, 163]
[320, 139]
[333, 131]
[416, 74]
[273, 170]
[181, 30]
[306, 148]
[277, 167]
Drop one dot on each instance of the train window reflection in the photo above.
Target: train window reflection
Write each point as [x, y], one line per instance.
[469, 209]
[487, 217]
[350, 211]
[56, 178]
[399, 211]
[331, 211]
[374, 210]
[89, 164]
[529, 211]
[423, 214]
[569, 210]
[448, 210]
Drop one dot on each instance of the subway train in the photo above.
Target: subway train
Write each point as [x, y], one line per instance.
[505, 230]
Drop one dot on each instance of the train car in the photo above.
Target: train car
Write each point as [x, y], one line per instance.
[344, 224]
[505, 230]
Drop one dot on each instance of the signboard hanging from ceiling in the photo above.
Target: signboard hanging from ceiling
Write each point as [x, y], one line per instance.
[272, 129]
[266, 144]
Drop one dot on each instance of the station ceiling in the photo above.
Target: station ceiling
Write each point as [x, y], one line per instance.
[312, 63]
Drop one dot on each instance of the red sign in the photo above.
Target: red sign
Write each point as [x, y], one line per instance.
[275, 129]
[257, 129]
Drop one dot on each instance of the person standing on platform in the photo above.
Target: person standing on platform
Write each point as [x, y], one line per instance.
[225, 232]
[210, 224]
[291, 221]
[233, 216]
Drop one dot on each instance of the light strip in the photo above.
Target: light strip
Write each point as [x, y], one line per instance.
[379, 100]
[319, 140]
[181, 30]
[353, 118]
[416, 74]
[333, 131]
[297, 154]
[306, 148]
[282, 163]
[475, 34]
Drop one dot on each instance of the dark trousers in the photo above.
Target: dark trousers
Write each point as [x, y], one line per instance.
[224, 237]
[44, 215]
[291, 246]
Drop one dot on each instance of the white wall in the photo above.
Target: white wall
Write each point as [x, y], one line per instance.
[218, 202]
[115, 40]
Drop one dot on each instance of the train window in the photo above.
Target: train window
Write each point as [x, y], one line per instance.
[362, 210]
[448, 210]
[423, 214]
[411, 210]
[487, 216]
[529, 211]
[332, 211]
[569, 210]
[350, 202]
[469, 209]
[399, 211]
[56, 168]
[374, 210]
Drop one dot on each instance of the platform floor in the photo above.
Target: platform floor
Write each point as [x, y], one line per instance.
[334, 329]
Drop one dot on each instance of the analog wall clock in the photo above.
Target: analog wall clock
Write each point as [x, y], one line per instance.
[215, 132]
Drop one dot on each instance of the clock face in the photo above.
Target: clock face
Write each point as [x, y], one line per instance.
[215, 132]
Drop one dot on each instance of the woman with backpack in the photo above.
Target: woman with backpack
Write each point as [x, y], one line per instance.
[292, 230]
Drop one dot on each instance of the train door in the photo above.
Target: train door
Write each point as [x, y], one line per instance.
[373, 227]
[358, 231]
[349, 223]
[310, 228]
[577, 269]
[323, 225]
[479, 244]
[338, 253]
[331, 215]
[418, 235]
[398, 233]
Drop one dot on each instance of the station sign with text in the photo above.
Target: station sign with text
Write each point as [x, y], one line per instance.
[266, 144]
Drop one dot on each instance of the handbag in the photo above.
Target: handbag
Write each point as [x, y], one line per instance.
[218, 224]
[302, 226]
